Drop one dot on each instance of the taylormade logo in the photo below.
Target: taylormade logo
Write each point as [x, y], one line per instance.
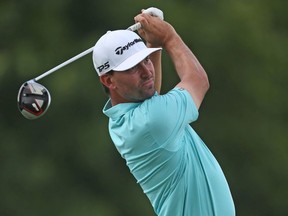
[121, 49]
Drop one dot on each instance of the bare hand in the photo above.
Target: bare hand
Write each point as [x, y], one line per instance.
[155, 31]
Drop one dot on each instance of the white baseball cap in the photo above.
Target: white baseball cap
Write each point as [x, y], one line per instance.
[119, 50]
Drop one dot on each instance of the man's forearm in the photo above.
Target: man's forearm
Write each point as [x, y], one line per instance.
[156, 59]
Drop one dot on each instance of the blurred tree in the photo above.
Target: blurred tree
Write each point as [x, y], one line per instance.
[65, 163]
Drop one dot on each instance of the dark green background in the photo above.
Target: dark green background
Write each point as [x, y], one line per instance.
[64, 164]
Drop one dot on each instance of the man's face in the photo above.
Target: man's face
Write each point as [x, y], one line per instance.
[135, 84]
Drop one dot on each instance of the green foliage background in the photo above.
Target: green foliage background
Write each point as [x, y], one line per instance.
[65, 163]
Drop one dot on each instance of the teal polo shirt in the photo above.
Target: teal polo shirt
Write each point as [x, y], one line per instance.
[174, 167]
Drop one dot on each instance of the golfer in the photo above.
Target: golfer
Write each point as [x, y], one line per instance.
[151, 131]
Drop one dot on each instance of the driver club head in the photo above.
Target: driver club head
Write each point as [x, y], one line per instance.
[33, 100]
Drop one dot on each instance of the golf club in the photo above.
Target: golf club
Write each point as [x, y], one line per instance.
[34, 99]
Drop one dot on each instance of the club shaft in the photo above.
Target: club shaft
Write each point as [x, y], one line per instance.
[134, 27]
[80, 55]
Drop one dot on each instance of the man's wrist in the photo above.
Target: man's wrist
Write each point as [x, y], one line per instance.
[149, 45]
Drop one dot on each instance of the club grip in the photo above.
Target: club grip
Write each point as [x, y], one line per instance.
[153, 12]
[134, 27]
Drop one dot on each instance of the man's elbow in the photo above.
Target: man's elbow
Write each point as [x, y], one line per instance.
[205, 83]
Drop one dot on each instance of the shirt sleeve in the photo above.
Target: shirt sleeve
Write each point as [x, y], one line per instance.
[169, 114]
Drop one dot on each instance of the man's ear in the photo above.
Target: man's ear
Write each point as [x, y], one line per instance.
[107, 81]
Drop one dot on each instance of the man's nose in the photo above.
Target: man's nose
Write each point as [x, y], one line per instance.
[145, 70]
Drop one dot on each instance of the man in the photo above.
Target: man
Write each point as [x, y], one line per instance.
[171, 163]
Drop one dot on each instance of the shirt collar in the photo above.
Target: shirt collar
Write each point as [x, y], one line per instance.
[118, 110]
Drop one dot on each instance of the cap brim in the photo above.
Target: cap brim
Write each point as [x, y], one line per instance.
[135, 59]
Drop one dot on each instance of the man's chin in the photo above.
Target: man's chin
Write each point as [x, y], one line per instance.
[151, 94]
